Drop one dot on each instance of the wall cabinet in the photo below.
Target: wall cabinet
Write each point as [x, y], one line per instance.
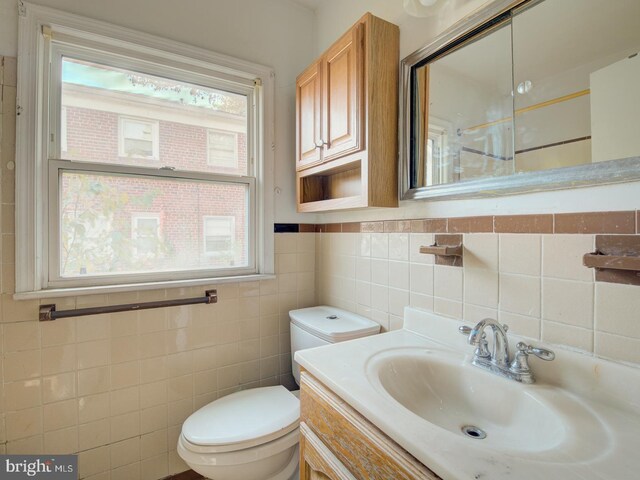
[337, 443]
[346, 122]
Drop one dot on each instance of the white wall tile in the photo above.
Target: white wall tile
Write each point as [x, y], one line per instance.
[474, 313]
[481, 250]
[448, 282]
[417, 240]
[418, 300]
[421, 278]
[618, 309]
[380, 245]
[379, 271]
[399, 246]
[398, 299]
[380, 297]
[520, 253]
[448, 308]
[481, 287]
[562, 256]
[521, 324]
[399, 275]
[520, 294]
[558, 333]
[568, 302]
[617, 347]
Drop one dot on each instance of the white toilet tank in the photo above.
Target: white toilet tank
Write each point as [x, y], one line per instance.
[316, 326]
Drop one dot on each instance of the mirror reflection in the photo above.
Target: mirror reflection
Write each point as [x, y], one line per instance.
[553, 84]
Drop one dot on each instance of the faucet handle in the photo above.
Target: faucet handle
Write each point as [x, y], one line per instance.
[482, 348]
[464, 330]
[541, 353]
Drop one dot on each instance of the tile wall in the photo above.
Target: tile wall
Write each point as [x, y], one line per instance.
[116, 388]
[535, 283]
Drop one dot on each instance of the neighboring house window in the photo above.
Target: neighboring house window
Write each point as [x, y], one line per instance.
[222, 148]
[219, 236]
[138, 138]
[145, 234]
[86, 176]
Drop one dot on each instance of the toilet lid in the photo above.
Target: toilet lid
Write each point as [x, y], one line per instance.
[253, 416]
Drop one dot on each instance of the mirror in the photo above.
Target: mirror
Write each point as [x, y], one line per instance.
[541, 96]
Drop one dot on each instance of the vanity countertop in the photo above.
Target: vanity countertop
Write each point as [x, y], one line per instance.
[606, 393]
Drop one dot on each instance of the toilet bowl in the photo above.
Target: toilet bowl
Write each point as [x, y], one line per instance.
[253, 434]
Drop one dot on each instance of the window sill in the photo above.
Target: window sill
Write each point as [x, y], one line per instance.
[77, 291]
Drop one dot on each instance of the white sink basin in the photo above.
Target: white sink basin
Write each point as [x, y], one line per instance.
[580, 421]
[442, 388]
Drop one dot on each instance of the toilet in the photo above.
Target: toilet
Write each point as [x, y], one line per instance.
[253, 434]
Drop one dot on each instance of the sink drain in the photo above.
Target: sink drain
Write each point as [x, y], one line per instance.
[474, 432]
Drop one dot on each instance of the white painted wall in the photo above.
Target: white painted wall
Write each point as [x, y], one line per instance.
[335, 16]
[276, 33]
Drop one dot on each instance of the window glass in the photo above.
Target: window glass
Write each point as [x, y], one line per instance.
[103, 233]
[121, 116]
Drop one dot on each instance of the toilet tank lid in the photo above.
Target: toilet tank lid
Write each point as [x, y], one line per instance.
[333, 324]
[249, 417]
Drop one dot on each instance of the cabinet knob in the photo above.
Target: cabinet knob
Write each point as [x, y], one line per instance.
[321, 143]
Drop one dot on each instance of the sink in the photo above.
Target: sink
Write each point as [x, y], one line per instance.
[442, 388]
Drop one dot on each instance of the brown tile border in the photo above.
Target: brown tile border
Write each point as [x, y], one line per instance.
[435, 225]
[595, 222]
[372, 227]
[524, 224]
[618, 222]
[470, 225]
[351, 227]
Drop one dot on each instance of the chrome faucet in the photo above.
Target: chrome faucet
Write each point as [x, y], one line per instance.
[497, 361]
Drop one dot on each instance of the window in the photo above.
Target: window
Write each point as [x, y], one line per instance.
[219, 237]
[138, 138]
[143, 141]
[222, 148]
[145, 234]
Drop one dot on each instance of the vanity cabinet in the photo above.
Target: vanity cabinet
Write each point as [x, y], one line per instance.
[346, 121]
[338, 443]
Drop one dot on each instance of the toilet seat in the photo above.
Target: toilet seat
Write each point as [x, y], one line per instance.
[242, 420]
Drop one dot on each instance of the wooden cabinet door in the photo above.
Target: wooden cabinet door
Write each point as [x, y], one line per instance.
[342, 97]
[308, 117]
[316, 460]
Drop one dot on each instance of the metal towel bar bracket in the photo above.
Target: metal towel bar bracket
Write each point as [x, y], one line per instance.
[49, 312]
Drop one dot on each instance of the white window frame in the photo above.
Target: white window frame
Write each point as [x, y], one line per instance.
[44, 33]
[205, 219]
[212, 161]
[155, 136]
[135, 218]
[63, 130]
